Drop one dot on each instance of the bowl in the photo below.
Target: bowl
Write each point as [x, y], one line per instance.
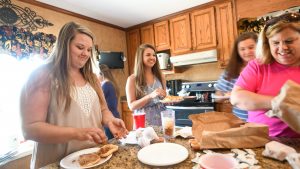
[218, 161]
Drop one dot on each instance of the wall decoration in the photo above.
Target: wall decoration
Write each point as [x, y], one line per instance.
[13, 15]
[257, 24]
[21, 43]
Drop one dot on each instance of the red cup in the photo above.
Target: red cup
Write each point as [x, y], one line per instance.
[139, 120]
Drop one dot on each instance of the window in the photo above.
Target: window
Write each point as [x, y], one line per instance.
[13, 75]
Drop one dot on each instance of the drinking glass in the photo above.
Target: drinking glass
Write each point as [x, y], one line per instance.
[168, 123]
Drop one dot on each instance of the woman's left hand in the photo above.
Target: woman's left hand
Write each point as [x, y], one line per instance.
[117, 128]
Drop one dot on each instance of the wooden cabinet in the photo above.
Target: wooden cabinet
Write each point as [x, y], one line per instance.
[127, 116]
[162, 35]
[147, 35]
[203, 29]
[226, 34]
[133, 41]
[180, 31]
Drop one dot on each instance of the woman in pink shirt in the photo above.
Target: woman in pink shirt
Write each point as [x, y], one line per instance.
[263, 77]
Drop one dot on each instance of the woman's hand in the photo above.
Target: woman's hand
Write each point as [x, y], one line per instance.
[159, 92]
[117, 128]
[92, 134]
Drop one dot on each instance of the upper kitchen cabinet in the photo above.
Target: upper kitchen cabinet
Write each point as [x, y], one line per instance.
[226, 32]
[133, 41]
[203, 29]
[180, 31]
[147, 35]
[162, 35]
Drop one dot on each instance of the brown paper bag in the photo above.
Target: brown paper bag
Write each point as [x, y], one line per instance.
[286, 105]
[224, 130]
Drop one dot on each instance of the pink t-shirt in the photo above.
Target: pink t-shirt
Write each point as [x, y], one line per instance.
[267, 80]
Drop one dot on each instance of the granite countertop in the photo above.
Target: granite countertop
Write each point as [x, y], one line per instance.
[126, 156]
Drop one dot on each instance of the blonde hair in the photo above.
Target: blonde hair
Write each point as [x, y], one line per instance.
[274, 26]
[59, 64]
[139, 68]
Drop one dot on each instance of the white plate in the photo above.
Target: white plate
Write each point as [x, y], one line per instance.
[71, 161]
[163, 154]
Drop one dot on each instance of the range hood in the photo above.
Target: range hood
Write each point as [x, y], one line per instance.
[194, 58]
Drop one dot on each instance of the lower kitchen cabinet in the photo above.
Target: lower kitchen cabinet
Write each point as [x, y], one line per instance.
[127, 116]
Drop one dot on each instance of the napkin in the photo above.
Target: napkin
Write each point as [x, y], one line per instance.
[142, 137]
[185, 132]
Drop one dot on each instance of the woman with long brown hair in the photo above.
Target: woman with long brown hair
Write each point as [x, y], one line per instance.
[243, 51]
[111, 93]
[63, 108]
[146, 85]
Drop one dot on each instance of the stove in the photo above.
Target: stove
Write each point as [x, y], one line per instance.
[200, 100]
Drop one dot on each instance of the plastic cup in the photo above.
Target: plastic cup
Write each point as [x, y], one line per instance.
[168, 123]
[139, 120]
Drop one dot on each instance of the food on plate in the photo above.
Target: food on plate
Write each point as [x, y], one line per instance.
[171, 98]
[194, 144]
[107, 150]
[277, 150]
[86, 160]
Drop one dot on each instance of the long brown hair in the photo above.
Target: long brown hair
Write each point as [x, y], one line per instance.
[236, 63]
[139, 69]
[59, 64]
[106, 73]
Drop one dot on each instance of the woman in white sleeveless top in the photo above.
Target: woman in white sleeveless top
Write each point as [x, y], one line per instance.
[62, 105]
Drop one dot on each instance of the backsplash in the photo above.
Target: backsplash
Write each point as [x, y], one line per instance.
[198, 72]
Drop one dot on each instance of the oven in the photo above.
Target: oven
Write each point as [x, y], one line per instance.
[200, 100]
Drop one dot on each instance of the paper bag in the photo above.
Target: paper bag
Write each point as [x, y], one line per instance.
[224, 130]
[286, 105]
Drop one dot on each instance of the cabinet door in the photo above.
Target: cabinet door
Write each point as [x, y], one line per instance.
[225, 29]
[147, 35]
[162, 35]
[203, 28]
[133, 41]
[127, 116]
[180, 31]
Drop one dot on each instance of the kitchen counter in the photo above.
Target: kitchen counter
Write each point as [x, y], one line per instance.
[126, 156]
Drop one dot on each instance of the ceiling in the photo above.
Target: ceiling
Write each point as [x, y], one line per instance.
[124, 13]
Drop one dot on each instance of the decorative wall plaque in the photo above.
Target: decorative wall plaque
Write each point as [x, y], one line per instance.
[13, 15]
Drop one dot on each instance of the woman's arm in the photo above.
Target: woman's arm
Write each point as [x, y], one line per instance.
[247, 100]
[134, 103]
[35, 99]
[116, 125]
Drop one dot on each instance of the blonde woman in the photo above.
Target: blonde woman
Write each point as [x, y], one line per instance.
[146, 85]
[261, 79]
[62, 105]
